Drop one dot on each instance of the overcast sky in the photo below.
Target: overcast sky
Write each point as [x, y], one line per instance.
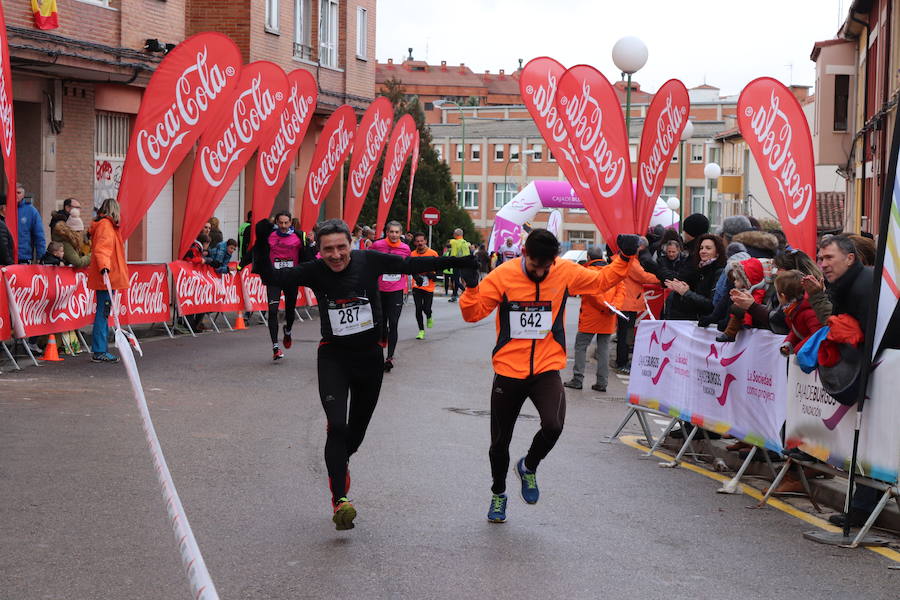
[727, 43]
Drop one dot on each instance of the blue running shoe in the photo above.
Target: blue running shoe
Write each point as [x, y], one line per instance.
[530, 491]
[497, 510]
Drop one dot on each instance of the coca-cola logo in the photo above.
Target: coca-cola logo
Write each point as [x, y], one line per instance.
[147, 297]
[73, 301]
[375, 136]
[652, 171]
[196, 88]
[251, 108]
[774, 135]
[402, 146]
[599, 158]
[336, 147]
[33, 299]
[202, 287]
[6, 108]
[290, 127]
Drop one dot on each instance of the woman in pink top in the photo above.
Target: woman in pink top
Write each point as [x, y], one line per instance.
[286, 251]
[391, 288]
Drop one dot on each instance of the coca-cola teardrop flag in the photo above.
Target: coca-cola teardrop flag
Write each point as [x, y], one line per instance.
[183, 97]
[592, 115]
[775, 128]
[276, 153]
[371, 137]
[399, 148]
[666, 118]
[249, 116]
[412, 178]
[334, 145]
[537, 86]
[8, 133]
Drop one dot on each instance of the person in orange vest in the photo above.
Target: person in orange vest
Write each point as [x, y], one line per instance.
[107, 258]
[595, 318]
[530, 295]
[423, 286]
[631, 303]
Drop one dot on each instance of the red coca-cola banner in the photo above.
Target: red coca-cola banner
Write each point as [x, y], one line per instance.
[276, 153]
[371, 137]
[412, 179]
[538, 87]
[147, 298]
[666, 118]
[399, 148]
[773, 124]
[590, 110]
[5, 322]
[253, 291]
[182, 99]
[8, 135]
[334, 145]
[50, 299]
[248, 116]
[200, 289]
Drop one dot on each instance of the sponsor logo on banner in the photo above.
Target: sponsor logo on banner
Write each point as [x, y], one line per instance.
[255, 297]
[399, 149]
[183, 98]
[775, 128]
[8, 132]
[371, 137]
[335, 141]
[201, 289]
[147, 298]
[6, 109]
[50, 299]
[666, 119]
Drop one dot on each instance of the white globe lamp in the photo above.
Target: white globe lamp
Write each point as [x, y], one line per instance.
[629, 54]
[712, 171]
[673, 203]
[688, 131]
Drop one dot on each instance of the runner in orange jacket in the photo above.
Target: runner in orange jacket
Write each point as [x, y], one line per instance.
[530, 294]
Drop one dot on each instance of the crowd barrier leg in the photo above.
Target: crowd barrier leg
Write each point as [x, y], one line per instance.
[659, 440]
[28, 350]
[632, 411]
[168, 331]
[212, 320]
[10, 356]
[776, 482]
[264, 319]
[227, 322]
[306, 310]
[81, 339]
[297, 314]
[684, 447]
[187, 323]
[731, 487]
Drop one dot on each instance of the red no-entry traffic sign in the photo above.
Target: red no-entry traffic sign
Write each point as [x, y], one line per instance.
[431, 216]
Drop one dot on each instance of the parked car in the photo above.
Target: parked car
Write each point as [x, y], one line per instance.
[576, 256]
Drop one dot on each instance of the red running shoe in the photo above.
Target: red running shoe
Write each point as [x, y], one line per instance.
[277, 354]
[288, 340]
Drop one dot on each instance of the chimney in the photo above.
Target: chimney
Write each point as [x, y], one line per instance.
[502, 74]
[801, 92]
[487, 75]
[410, 53]
[443, 65]
[520, 64]
[390, 63]
[462, 67]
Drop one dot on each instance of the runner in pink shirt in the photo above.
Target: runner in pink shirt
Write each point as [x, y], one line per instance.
[391, 287]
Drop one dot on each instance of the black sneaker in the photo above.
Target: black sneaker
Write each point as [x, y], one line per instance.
[575, 385]
[388, 365]
[599, 388]
[858, 518]
[104, 357]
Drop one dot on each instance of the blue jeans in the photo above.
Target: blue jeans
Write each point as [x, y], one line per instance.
[100, 332]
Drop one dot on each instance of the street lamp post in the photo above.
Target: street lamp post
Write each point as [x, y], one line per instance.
[630, 55]
[686, 134]
[674, 204]
[462, 164]
[711, 171]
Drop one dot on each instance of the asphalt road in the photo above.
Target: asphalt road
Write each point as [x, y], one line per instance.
[81, 516]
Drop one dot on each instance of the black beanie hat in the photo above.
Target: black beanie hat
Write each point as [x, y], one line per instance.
[696, 225]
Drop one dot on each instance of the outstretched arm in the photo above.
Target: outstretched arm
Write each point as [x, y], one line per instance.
[301, 275]
[479, 301]
[392, 263]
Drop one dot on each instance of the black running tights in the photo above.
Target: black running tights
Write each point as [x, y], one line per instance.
[290, 303]
[422, 300]
[391, 307]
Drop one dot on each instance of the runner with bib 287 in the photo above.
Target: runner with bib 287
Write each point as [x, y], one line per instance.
[350, 359]
[530, 295]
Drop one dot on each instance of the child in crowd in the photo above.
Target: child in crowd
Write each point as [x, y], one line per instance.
[54, 255]
[798, 313]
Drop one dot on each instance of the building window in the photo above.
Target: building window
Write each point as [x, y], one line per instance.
[698, 199]
[668, 191]
[513, 152]
[468, 197]
[113, 132]
[459, 152]
[714, 154]
[841, 101]
[272, 16]
[498, 151]
[439, 151]
[581, 237]
[537, 152]
[362, 26]
[550, 156]
[476, 151]
[696, 153]
[503, 193]
[302, 30]
[632, 152]
[675, 156]
[328, 33]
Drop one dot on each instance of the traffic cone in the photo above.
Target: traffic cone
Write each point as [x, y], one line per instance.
[239, 324]
[50, 351]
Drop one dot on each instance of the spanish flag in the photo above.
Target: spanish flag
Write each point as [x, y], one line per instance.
[45, 15]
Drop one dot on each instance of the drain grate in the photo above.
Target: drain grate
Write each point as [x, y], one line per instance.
[476, 412]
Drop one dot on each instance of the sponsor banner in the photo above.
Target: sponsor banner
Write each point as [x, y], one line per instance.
[248, 117]
[413, 164]
[655, 295]
[772, 122]
[8, 132]
[147, 298]
[400, 147]
[183, 97]
[592, 115]
[736, 388]
[49, 299]
[666, 118]
[335, 142]
[276, 153]
[537, 86]
[824, 428]
[5, 322]
[371, 137]
[253, 291]
[200, 289]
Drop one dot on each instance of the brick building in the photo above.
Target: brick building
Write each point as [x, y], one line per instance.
[77, 89]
